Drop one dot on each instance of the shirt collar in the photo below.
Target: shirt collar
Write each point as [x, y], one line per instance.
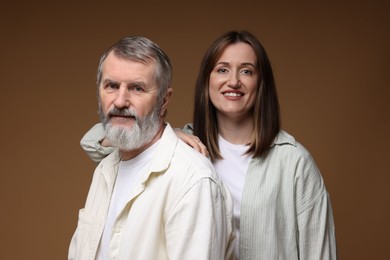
[284, 138]
[160, 162]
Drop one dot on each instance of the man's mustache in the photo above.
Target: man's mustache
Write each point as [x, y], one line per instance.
[122, 112]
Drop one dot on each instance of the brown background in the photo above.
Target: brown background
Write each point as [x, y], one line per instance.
[331, 63]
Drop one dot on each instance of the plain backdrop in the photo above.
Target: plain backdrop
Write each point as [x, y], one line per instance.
[331, 64]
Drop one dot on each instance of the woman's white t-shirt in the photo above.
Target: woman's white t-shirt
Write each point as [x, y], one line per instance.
[232, 170]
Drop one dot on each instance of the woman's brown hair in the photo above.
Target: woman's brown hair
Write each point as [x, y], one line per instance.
[266, 115]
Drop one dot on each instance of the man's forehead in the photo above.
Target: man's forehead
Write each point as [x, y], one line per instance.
[123, 69]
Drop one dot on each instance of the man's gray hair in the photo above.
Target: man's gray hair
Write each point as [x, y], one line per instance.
[141, 49]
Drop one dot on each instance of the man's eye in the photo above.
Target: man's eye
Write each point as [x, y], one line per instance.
[112, 86]
[137, 88]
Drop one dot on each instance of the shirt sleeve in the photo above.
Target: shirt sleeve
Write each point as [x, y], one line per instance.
[90, 143]
[315, 218]
[188, 129]
[200, 226]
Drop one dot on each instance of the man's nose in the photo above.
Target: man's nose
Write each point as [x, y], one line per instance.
[122, 98]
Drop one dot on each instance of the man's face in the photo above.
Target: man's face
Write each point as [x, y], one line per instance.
[128, 102]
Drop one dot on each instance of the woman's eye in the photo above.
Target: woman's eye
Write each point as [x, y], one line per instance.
[247, 71]
[222, 70]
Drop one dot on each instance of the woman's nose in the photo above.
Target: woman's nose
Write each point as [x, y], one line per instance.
[234, 81]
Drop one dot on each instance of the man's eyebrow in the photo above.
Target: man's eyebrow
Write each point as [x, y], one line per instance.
[137, 83]
[109, 81]
[129, 84]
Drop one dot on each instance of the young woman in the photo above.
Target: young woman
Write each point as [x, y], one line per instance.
[281, 206]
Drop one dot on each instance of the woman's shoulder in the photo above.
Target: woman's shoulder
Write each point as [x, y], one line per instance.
[286, 144]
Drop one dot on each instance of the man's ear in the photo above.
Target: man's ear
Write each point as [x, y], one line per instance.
[166, 99]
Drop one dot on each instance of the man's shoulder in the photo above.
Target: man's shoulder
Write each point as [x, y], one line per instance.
[192, 156]
[180, 161]
[187, 157]
[192, 169]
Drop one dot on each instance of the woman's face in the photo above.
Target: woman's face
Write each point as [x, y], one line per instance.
[233, 81]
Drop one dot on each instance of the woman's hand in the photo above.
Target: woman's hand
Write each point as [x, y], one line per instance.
[192, 141]
[105, 143]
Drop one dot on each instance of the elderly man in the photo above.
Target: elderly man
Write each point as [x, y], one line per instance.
[154, 197]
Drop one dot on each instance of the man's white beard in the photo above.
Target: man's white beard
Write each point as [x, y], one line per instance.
[141, 133]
